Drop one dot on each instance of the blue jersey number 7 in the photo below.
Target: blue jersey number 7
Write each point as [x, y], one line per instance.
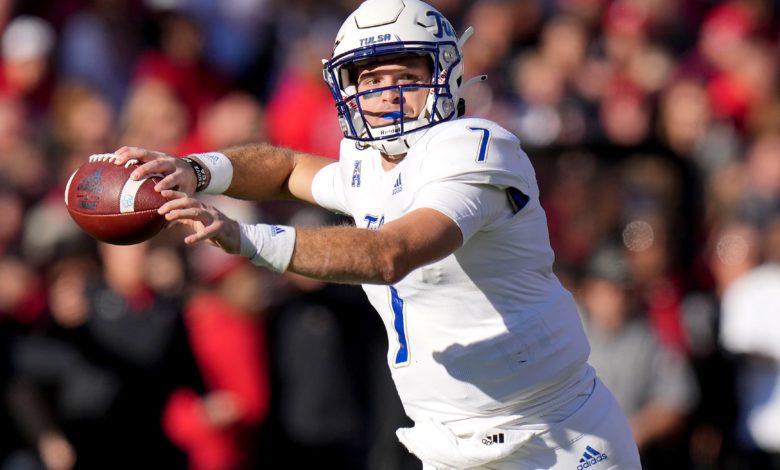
[483, 143]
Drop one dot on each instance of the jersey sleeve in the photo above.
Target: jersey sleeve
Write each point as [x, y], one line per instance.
[328, 190]
[472, 207]
[477, 151]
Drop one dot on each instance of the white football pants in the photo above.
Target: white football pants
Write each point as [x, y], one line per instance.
[595, 437]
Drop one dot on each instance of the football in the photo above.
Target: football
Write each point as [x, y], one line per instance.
[110, 206]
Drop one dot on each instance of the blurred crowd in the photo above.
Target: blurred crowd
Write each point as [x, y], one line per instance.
[654, 127]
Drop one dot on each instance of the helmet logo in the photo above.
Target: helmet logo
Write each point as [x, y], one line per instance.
[374, 39]
[443, 27]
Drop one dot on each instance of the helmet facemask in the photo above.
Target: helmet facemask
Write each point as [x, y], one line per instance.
[398, 134]
[381, 29]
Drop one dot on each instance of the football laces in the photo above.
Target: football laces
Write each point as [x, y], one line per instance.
[110, 157]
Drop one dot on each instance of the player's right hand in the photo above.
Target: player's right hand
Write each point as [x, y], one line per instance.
[205, 221]
[177, 174]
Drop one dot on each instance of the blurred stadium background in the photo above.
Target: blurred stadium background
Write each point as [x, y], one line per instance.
[654, 126]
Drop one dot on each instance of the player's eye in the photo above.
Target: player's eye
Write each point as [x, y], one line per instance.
[369, 82]
[410, 78]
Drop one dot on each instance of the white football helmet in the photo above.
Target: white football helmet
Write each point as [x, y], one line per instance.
[391, 28]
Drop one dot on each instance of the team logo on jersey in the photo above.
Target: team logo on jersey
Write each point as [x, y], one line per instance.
[356, 174]
[590, 458]
[398, 186]
[374, 222]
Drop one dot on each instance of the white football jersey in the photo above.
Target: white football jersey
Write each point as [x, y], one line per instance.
[487, 332]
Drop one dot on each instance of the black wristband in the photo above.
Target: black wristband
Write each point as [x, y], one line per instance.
[200, 173]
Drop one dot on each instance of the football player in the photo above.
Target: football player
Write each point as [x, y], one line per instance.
[487, 350]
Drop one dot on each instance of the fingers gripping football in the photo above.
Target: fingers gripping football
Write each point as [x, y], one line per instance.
[177, 174]
[206, 222]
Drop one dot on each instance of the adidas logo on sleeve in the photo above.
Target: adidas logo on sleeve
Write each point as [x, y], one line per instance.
[590, 458]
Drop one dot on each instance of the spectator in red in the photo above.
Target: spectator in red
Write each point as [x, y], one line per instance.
[179, 64]
[153, 113]
[234, 119]
[300, 110]
[25, 69]
[216, 429]
[647, 240]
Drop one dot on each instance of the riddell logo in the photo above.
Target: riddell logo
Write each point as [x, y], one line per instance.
[590, 458]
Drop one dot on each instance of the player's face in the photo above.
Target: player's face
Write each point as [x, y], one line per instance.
[383, 108]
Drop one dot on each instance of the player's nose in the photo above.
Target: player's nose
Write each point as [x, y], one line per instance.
[391, 95]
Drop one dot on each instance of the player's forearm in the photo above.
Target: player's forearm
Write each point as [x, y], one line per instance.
[260, 171]
[348, 255]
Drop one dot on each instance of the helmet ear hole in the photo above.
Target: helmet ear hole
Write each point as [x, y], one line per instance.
[461, 107]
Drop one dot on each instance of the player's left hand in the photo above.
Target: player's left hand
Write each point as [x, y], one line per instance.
[177, 174]
[206, 221]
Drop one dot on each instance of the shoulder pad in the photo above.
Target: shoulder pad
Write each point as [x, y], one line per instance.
[477, 151]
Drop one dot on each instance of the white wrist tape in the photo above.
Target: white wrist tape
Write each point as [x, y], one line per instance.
[220, 169]
[269, 246]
